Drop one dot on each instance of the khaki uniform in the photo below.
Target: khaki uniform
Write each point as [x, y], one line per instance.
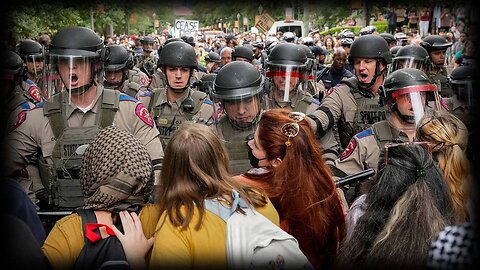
[169, 116]
[308, 105]
[137, 86]
[349, 108]
[440, 78]
[37, 132]
[461, 111]
[158, 80]
[28, 177]
[235, 141]
[365, 150]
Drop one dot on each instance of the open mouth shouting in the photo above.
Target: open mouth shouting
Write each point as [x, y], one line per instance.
[363, 77]
[73, 80]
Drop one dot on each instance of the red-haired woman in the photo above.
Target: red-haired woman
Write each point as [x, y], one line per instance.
[291, 170]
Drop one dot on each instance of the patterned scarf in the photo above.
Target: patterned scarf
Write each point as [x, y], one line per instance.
[116, 172]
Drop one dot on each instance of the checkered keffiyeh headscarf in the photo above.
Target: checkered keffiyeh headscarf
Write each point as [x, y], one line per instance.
[116, 172]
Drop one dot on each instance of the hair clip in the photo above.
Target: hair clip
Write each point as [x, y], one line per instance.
[420, 172]
[291, 129]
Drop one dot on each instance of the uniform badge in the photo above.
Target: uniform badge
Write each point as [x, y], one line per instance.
[144, 80]
[34, 93]
[162, 121]
[349, 149]
[329, 92]
[21, 117]
[143, 114]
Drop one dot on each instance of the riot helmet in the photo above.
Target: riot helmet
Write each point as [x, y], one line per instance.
[436, 47]
[239, 89]
[74, 61]
[242, 53]
[308, 41]
[178, 54]
[401, 38]
[32, 55]
[409, 93]
[213, 57]
[289, 37]
[463, 84]
[370, 46]
[394, 50]
[346, 33]
[119, 61]
[287, 64]
[11, 72]
[189, 40]
[389, 38]
[410, 56]
[147, 44]
[346, 42]
[368, 30]
[206, 83]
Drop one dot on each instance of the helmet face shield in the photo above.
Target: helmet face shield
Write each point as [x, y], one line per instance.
[413, 102]
[35, 64]
[71, 73]
[408, 62]
[287, 81]
[243, 114]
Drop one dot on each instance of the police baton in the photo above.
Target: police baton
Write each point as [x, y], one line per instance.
[360, 176]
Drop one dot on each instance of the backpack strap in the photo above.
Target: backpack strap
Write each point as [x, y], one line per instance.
[110, 103]
[223, 211]
[87, 216]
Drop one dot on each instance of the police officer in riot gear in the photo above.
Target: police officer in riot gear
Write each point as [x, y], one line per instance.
[436, 47]
[353, 104]
[390, 39]
[213, 62]
[177, 102]
[410, 56]
[77, 107]
[32, 55]
[464, 102]
[316, 89]
[239, 89]
[148, 63]
[287, 64]
[405, 94]
[242, 53]
[120, 74]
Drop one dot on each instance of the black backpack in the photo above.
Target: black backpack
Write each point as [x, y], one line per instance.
[102, 254]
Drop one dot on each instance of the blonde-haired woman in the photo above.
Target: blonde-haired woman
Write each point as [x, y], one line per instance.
[448, 137]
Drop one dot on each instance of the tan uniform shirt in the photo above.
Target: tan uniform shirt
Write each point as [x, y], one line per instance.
[364, 150]
[36, 132]
[171, 115]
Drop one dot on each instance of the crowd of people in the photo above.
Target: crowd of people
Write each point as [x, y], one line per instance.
[136, 134]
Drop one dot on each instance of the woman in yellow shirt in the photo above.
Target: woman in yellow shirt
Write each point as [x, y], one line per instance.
[116, 175]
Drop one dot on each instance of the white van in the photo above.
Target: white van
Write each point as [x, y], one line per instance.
[296, 27]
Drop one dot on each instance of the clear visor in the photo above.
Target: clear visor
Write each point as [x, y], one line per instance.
[408, 62]
[412, 103]
[237, 118]
[73, 74]
[35, 65]
[287, 81]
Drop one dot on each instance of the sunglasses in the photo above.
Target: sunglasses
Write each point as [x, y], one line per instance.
[291, 129]
[425, 145]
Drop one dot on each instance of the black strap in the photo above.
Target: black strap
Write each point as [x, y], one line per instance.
[88, 216]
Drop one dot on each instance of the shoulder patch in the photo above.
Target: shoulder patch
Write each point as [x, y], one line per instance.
[144, 93]
[207, 101]
[125, 97]
[365, 133]
[34, 93]
[329, 91]
[144, 80]
[349, 149]
[39, 105]
[25, 106]
[21, 117]
[444, 104]
[143, 114]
